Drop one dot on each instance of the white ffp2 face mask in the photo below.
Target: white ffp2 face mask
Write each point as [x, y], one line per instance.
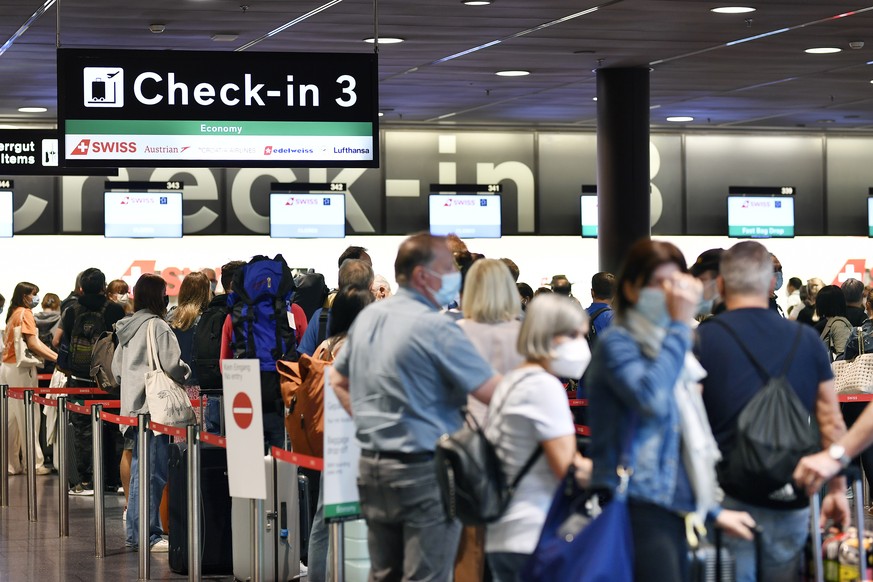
[570, 359]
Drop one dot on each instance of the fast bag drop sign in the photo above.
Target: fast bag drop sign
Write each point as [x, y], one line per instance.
[185, 108]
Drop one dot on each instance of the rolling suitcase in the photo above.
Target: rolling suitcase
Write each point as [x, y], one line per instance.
[281, 527]
[837, 559]
[215, 536]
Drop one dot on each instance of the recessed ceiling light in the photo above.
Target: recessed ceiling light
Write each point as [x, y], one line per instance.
[381, 114]
[512, 73]
[225, 36]
[680, 118]
[824, 121]
[733, 9]
[32, 109]
[594, 98]
[476, 2]
[385, 40]
[823, 50]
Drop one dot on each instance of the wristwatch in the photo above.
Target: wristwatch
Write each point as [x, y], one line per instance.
[838, 453]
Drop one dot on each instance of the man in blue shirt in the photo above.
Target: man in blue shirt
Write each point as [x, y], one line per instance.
[600, 311]
[404, 374]
[746, 281]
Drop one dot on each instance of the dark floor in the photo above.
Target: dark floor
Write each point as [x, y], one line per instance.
[33, 551]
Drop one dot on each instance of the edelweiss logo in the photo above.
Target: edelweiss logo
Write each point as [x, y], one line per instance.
[268, 150]
[103, 87]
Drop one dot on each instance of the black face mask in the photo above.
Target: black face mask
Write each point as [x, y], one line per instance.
[166, 300]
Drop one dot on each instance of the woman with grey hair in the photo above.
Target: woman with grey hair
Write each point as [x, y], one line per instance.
[529, 418]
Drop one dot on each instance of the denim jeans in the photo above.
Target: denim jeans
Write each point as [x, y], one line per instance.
[506, 566]
[212, 416]
[408, 533]
[159, 459]
[319, 566]
[782, 539]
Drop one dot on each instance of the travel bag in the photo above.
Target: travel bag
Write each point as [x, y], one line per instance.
[280, 527]
[215, 510]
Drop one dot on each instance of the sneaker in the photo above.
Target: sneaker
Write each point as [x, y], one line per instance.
[162, 546]
[81, 490]
[43, 470]
[124, 515]
[304, 571]
[120, 490]
[850, 493]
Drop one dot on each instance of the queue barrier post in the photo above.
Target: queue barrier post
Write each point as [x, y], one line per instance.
[194, 543]
[97, 470]
[144, 472]
[4, 445]
[859, 521]
[63, 480]
[257, 556]
[337, 551]
[30, 454]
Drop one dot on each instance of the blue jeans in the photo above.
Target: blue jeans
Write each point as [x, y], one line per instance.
[159, 458]
[506, 566]
[782, 539]
[319, 566]
[212, 416]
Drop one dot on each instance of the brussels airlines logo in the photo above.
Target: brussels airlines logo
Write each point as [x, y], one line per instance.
[103, 87]
[86, 146]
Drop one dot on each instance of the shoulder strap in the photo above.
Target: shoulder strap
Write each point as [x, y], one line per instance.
[534, 456]
[599, 312]
[150, 342]
[322, 326]
[755, 362]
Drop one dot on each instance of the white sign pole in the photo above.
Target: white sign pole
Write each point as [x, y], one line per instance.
[341, 454]
[244, 423]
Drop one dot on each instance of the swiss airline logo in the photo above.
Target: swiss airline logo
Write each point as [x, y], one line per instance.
[852, 269]
[297, 201]
[103, 87]
[450, 202]
[89, 146]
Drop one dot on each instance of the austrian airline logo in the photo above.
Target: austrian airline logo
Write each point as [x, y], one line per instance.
[103, 87]
[268, 150]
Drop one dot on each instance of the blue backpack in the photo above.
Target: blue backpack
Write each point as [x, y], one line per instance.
[259, 305]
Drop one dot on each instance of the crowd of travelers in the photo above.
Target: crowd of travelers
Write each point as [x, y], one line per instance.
[668, 355]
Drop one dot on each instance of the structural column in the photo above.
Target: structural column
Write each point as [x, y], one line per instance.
[622, 162]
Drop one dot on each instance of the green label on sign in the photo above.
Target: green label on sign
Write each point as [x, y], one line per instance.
[170, 127]
[343, 510]
[761, 231]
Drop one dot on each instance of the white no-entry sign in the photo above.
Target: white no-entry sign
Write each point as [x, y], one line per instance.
[245, 429]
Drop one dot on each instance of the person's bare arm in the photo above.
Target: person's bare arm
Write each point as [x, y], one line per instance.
[56, 337]
[483, 392]
[39, 349]
[340, 385]
[828, 415]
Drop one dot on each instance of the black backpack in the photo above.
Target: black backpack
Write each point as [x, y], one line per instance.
[774, 431]
[470, 475]
[592, 331]
[88, 325]
[310, 293]
[259, 309]
[206, 345]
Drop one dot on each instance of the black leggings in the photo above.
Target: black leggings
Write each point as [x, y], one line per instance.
[660, 546]
[851, 411]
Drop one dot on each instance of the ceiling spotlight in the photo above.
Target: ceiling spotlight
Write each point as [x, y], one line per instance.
[225, 36]
[733, 10]
[476, 2]
[823, 50]
[32, 109]
[385, 40]
[157, 28]
[512, 73]
[381, 114]
[680, 119]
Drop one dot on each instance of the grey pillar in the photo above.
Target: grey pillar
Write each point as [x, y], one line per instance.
[622, 162]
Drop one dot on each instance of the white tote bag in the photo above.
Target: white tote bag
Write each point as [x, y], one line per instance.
[24, 358]
[167, 401]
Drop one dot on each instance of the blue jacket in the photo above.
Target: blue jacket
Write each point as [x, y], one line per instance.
[621, 379]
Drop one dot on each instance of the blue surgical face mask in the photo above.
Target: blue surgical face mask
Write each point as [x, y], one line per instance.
[652, 304]
[778, 281]
[448, 291]
[34, 302]
[213, 285]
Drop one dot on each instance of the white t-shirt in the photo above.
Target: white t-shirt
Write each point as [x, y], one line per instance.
[535, 410]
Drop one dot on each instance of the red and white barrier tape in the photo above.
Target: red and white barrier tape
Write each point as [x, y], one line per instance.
[213, 439]
[51, 402]
[118, 419]
[297, 459]
[78, 408]
[578, 402]
[583, 430]
[175, 431]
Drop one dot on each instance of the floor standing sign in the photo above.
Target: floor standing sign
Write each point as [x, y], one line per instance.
[244, 422]
[341, 454]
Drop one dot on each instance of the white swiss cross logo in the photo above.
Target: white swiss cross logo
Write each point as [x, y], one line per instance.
[852, 269]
